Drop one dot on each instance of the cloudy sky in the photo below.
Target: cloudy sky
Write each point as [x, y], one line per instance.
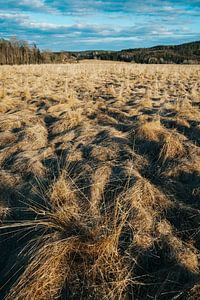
[100, 24]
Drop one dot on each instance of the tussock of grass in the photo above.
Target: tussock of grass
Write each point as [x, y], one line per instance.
[172, 147]
[61, 192]
[34, 136]
[87, 261]
[70, 120]
[29, 162]
[46, 273]
[147, 203]
[112, 91]
[105, 119]
[75, 155]
[146, 100]
[164, 228]
[18, 120]
[151, 131]
[145, 194]
[186, 110]
[58, 108]
[189, 167]
[183, 254]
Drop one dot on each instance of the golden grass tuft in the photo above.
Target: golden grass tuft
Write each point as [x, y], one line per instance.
[18, 120]
[105, 119]
[147, 202]
[164, 228]
[46, 274]
[9, 179]
[75, 155]
[62, 192]
[189, 167]
[112, 91]
[185, 109]
[151, 131]
[172, 147]
[72, 100]
[146, 100]
[189, 260]
[184, 254]
[34, 137]
[70, 120]
[145, 194]
[58, 108]
[29, 162]
[87, 261]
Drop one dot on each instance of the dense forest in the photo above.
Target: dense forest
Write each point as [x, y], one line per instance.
[20, 52]
[188, 53]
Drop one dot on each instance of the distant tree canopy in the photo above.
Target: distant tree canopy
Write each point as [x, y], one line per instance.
[180, 54]
[20, 52]
[14, 52]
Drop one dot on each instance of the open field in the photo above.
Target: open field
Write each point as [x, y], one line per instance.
[99, 182]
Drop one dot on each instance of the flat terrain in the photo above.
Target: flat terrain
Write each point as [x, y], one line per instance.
[99, 181]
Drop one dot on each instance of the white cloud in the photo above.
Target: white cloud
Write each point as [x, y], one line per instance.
[32, 3]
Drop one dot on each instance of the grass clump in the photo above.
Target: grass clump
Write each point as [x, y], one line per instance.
[151, 131]
[172, 147]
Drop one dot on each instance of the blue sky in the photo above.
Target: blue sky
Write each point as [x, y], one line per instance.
[100, 24]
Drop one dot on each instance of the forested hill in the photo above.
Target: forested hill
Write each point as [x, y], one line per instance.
[20, 52]
[185, 53]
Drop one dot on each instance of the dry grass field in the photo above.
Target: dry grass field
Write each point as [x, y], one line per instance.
[99, 182]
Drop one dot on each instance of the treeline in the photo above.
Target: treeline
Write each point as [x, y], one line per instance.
[14, 52]
[181, 54]
[20, 52]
